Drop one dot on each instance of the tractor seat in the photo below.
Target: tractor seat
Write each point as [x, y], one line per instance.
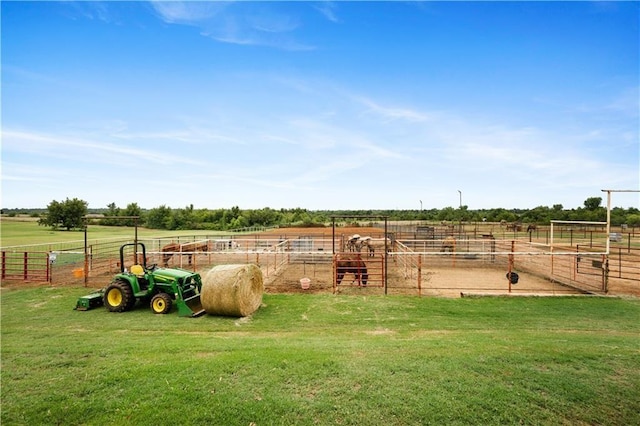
[137, 270]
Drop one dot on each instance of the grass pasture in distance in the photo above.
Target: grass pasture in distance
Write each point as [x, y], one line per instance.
[25, 231]
[320, 359]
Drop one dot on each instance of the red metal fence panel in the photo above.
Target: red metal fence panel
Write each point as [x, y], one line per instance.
[25, 266]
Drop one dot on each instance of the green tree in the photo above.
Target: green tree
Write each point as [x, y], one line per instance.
[67, 214]
[592, 203]
[633, 220]
[112, 211]
[132, 210]
[158, 218]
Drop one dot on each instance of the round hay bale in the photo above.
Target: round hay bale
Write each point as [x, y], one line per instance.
[232, 290]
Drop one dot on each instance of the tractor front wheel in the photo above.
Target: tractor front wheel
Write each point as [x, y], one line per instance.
[119, 297]
[161, 303]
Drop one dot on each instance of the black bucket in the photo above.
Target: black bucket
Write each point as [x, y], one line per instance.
[513, 277]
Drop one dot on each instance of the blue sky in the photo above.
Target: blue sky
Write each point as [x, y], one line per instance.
[320, 105]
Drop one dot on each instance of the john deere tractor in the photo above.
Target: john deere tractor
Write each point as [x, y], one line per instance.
[162, 287]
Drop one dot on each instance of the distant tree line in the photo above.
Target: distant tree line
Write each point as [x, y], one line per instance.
[69, 214]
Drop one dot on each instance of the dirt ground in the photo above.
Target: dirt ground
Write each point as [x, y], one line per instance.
[443, 282]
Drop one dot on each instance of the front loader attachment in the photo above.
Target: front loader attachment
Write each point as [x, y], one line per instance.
[89, 301]
[190, 307]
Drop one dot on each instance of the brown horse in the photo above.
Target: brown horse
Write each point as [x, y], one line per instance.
[448, 244]
[187, 248]
[351, 264]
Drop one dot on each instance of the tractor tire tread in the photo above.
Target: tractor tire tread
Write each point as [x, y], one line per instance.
[128, 299]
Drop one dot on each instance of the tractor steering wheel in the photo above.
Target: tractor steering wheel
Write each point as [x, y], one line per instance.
[152, 267]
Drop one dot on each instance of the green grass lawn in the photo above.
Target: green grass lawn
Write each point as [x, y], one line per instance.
[24, 232]
[322, 359]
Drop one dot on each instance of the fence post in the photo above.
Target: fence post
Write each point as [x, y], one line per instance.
[605, 273]
[334, 264]
[619, 262]
[510, 267]
[26, 263]
[577, 261]
[420, 275]
[86, 257]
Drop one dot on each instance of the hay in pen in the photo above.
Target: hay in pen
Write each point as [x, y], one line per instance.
[232, 290]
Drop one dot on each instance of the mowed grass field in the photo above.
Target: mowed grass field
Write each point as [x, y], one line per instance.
[322, 359]
[26, 231]
[316, 359]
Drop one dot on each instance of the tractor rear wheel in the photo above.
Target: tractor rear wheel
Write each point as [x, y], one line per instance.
[119, 297]
[161, 303]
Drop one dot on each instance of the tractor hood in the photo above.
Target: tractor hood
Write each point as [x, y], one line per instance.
[168, 274]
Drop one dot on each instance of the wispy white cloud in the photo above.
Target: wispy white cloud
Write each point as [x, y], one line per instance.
[94, 10]
[328, 10]
[19, 172]
[331, 171]
[189, 135]
[87, 150]
[188, 12]
[497, 154]
[395, 113]
[274, 138]
[626, 102]
[256, 24]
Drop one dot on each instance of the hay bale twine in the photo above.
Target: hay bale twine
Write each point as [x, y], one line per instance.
[232, 290]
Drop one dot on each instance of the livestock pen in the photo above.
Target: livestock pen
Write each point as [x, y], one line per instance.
[414, 262]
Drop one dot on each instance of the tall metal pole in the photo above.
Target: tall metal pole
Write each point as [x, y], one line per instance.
[135, 243]
[608, 221]
[606, 262]
[86, 254]
[333, 253]
[386, 250]
[609, 191]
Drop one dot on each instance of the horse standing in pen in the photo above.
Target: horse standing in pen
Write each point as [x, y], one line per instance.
[448, 244]
[371, 244]
[353, 243]
[351, 264]
[172, 248]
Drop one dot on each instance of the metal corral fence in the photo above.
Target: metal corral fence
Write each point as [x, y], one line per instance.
[44, 262]
[67, 262]
[502, 231]
[413, 265]
[583, 267]
[26, 266]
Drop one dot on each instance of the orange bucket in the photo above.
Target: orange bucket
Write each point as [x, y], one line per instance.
[305, 283]
[78, 272]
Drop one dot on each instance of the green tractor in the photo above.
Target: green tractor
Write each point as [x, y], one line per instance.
[163, 287]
